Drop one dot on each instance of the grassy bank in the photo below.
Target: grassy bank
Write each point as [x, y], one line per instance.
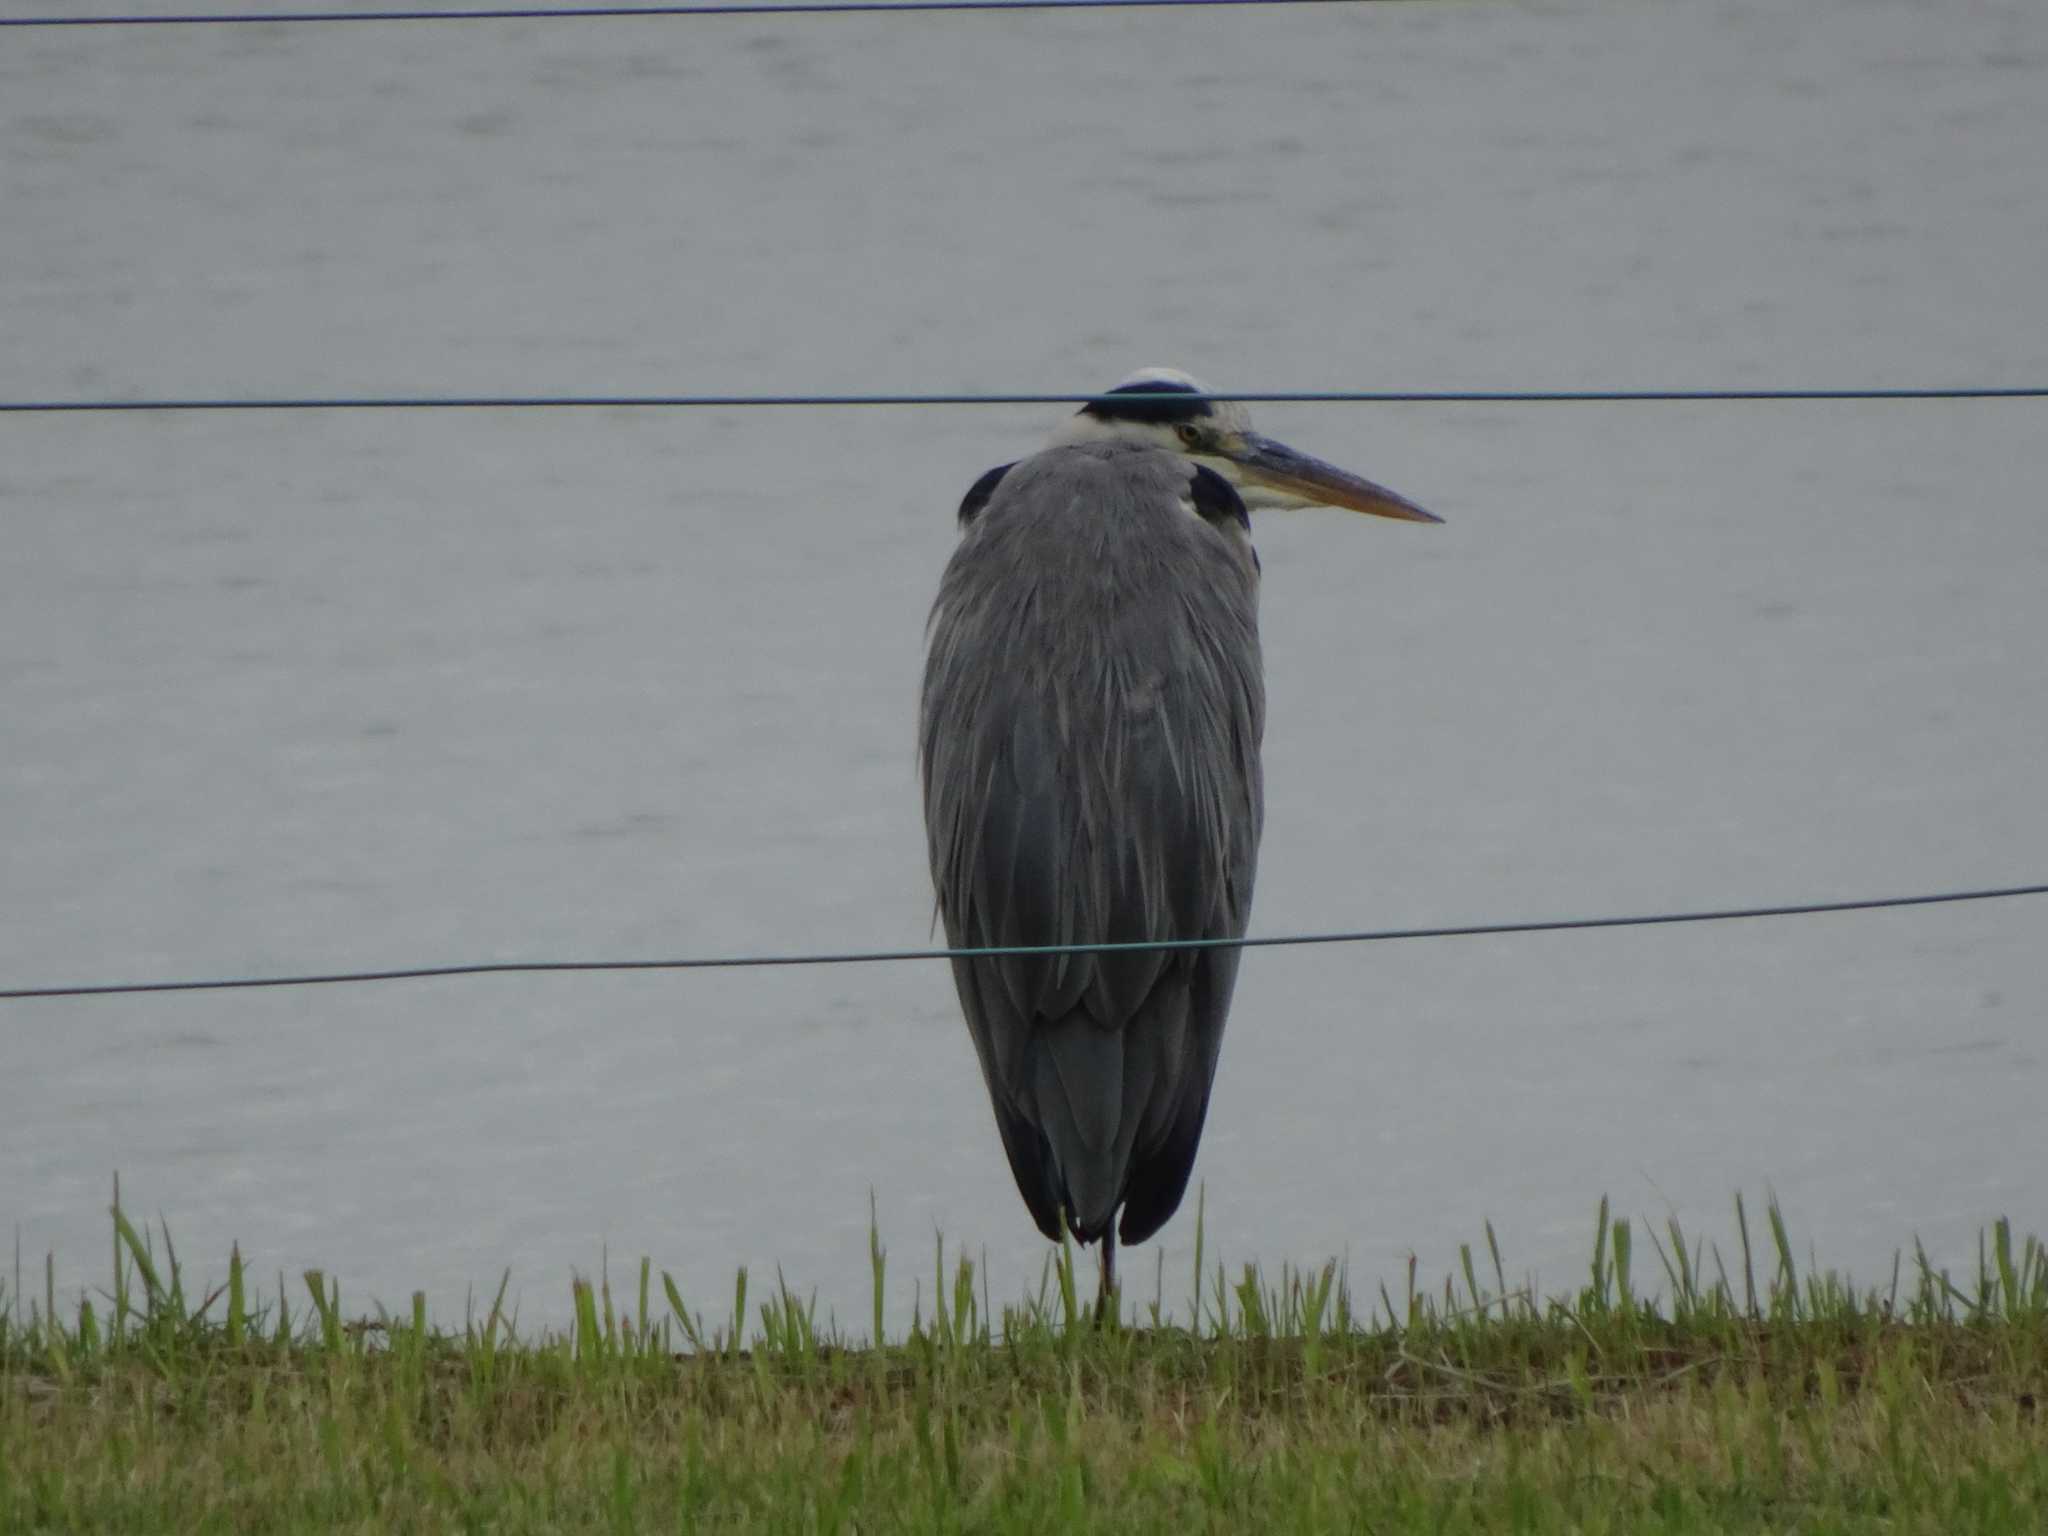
[1751, 1396]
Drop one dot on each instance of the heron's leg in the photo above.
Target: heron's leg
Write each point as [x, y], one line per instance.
[1105, 1296]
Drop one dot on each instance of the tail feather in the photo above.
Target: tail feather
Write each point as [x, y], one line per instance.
[1106, 1099]
[1077, 1090]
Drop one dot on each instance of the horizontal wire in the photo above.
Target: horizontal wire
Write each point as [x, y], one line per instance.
[1267, 396]
[613, 12]
[871, 956]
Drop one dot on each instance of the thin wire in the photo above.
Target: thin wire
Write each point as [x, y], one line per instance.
[865, 957]
[608, 12]
[1280, 396]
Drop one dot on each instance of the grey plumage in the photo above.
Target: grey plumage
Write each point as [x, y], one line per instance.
[1089, 738]
[1102, 785]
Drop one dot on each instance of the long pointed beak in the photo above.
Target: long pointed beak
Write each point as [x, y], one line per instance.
[1280, 468]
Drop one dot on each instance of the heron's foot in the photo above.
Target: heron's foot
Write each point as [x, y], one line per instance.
[1107, 1314]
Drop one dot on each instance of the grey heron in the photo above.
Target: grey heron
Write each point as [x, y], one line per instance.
[1089, 736]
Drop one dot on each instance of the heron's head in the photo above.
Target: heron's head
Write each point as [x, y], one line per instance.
[1218, 434]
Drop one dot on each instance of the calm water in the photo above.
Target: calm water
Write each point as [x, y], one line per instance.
[298, 692]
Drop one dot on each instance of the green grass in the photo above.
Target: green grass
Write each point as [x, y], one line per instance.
[1670, 1393]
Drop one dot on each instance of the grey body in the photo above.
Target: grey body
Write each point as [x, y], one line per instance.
[1089, 735]
[1093, 705]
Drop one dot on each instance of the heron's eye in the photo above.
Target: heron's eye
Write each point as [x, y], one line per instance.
[1190, 434]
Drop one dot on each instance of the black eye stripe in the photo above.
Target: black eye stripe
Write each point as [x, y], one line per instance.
[1154, 411]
